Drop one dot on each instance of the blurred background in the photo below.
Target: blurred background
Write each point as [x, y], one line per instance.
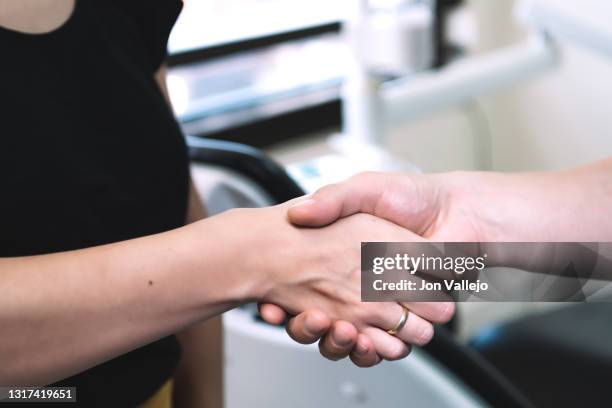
[331, 88]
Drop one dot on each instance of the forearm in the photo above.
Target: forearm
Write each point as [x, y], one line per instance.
[562, 206]
[548, 208]
[63, 313]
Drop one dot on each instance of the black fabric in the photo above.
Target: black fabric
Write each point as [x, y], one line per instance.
[90, 154]
[557, 359]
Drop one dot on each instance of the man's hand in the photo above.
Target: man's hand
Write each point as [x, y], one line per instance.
[461, 207]
[432, 206]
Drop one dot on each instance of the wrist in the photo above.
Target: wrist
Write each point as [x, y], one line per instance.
[519, 207]
[249, 250]
[221, 248]
[490, 203]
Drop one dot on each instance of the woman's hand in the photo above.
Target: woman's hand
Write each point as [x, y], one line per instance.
[318, 270]
[418, 203]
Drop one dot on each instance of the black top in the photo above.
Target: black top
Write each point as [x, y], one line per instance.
[90, 154]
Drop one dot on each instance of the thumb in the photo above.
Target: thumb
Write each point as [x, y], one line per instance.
[314, 212]
[336, 201]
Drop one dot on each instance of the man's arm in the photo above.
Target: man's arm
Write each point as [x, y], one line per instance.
[198, 381]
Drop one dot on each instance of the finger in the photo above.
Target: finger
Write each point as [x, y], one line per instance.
[272, 314]
[308, 327]
[364, 353]
[337, 201]
[387, 346]
[436, 312]
[339, 341]
[416, 330]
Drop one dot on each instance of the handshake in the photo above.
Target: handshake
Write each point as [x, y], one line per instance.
[309, 252]
[313, 273]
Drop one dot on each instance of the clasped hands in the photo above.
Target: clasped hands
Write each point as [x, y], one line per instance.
[375, 207]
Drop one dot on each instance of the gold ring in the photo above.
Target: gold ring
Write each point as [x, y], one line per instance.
[402, 321]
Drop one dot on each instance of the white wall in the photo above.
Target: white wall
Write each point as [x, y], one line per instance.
[561, 119]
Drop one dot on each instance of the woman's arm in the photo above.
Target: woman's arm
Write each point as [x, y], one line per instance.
[198, 381]
[63, 313]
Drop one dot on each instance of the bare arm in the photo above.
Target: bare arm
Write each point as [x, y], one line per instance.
[198, 381]
[63, 313]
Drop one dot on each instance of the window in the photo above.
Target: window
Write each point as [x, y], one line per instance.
[208, 23]
[226, 82]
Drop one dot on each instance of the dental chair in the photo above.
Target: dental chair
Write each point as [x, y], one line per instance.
[265, 368]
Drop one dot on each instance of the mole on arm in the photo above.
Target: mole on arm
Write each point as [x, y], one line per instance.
[150, 283]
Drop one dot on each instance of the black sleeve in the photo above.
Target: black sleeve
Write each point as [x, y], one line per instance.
[155, 20]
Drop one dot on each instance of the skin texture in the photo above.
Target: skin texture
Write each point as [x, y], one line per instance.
[569, 205]
[94, 304]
